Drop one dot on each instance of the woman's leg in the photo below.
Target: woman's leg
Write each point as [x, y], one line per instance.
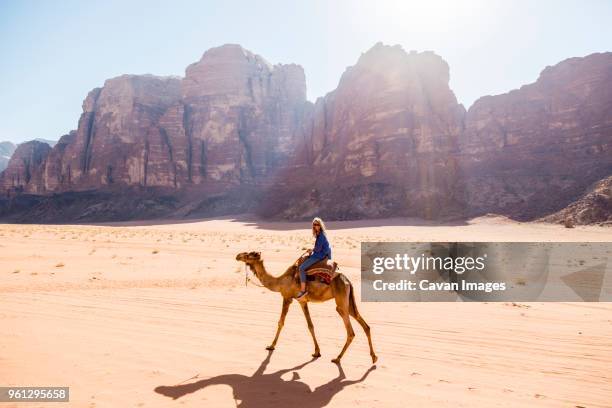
[305, 265]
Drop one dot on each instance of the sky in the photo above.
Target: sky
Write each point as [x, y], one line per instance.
[53, 53]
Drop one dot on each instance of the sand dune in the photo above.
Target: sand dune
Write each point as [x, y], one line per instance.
[136, 315]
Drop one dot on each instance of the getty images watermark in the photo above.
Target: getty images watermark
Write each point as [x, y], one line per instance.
[486, 271]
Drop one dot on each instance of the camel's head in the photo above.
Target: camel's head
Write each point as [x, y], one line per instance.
[249, 257]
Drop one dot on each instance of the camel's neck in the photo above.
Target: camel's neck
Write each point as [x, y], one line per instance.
[269, 281]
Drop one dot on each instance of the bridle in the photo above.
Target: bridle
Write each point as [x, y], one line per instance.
[297, 261]
[247, 279]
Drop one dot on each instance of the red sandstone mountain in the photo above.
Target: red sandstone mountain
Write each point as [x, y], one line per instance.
[25, 168]
[238, 115]
[383, 143]
[533, 150]
[237, 133]
[230, 120]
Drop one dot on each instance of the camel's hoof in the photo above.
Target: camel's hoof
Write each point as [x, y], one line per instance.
[336, 361]
[270, 348]
[316, 354]
[374, 359]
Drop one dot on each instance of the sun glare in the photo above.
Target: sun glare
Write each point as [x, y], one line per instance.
[432, 17]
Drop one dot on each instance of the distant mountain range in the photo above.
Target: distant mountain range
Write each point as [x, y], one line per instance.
[237, 134]
[6, 151]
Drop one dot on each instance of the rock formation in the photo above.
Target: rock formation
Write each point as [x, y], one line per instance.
[231, 120]
[532, 151]
[237, 134]
[383, 143]
[23, 173]
[593, 207]
[114, 136]
[392, 140]
[238, 116]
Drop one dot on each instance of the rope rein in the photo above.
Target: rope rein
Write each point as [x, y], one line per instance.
[246, 273]
[247, 279]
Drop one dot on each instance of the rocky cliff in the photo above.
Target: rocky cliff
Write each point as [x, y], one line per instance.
[392, 140]
[534, 150]
[231, 120]
[383, 143]
[24, 170]
[237, 134]
[115, 135]
[238, 116]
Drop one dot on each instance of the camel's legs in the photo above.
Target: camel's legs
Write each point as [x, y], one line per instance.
[281, 322]
[366, 329]
[317, 352]
[342, 310]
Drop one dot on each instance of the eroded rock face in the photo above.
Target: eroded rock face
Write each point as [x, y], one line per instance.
[237, 134]
[24, 171]
[533, 150]
[117, 130]
[239, 116]
[384, 142]
[231, 120]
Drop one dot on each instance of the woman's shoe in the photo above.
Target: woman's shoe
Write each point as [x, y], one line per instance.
[301, 294]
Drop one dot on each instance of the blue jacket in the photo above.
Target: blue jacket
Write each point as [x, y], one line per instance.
[321, 248]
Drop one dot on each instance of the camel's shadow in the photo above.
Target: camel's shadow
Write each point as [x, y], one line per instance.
[269, 390]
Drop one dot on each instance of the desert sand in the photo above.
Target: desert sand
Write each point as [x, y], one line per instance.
[137, 315]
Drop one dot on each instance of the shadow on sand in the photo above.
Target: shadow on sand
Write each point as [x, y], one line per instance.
[259, 223]
[269, 390]
[278, 225]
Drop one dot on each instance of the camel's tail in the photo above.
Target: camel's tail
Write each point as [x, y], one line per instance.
[352, 304]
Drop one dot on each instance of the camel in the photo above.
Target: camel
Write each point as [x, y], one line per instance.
[340, 289]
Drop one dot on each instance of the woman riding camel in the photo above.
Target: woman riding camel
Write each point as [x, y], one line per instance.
[320, 251]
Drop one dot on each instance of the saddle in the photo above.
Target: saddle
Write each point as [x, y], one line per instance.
[323, 271]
